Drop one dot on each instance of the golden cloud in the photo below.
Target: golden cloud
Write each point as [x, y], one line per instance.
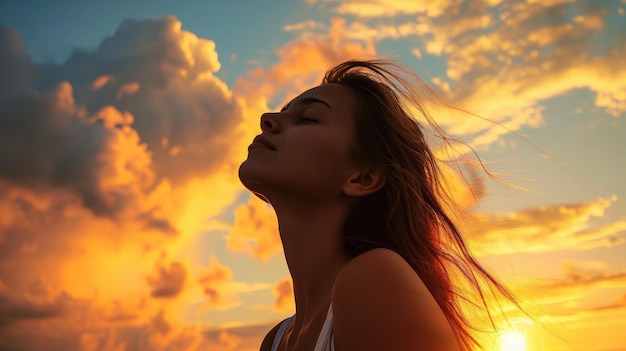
[255, 230]
[101, 341]
[167, 280]
[91, 202]
[390, 8]
[504, 60]
[284, 295]
[221, 290]
[569, 299]
[588, 275]
[292, 74]
[546, 228]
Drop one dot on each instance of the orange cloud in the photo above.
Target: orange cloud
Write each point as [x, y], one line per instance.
[305, 25]
[91, 201]
[128, 89]
[167, 281]
[213, 279]
[620, 303]
[284, 296]
[220, 290]
[38, 302]
[390, 8]
[571, 297]
[255, 230]
[503, 61]
[101, 81]
[219, 287]
[101, 341]
[302, 63]
[547, 228]
[118, 311]
[588, 276]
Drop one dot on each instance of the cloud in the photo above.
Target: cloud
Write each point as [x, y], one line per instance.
[504, 59]
[570, 298]
[101, 81]
[116, 312]
[158, 334]
[127, 89]
[604, 235]
[546, 228]
[167, 280]
[292, 74]
[220, 289]
[620, 303]
[36, 303]
[533, 52]
[284, 295]
[47, 141]
[16, 67]
[108, 164]
[389, 8]
[304, 25]
[214, 281]
[255, 230]
[588, 276]
[164, 77]
[161, 334]
[103, 341]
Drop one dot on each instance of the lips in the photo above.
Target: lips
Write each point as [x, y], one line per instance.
[262, 141]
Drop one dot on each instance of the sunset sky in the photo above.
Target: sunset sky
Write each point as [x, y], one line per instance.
[123, 225]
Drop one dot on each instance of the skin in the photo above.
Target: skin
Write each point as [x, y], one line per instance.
[313, 182]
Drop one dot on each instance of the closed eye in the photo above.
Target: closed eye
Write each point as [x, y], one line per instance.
[308, 120]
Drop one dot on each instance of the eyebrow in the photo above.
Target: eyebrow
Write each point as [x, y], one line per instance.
[306, 101]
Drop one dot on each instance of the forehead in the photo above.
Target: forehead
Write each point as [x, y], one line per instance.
[339, 97]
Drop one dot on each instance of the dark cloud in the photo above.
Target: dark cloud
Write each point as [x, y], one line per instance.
[36, 303]
[178, 105]
[62, 131]
[47, 141]
[167, 281]
[15, 66]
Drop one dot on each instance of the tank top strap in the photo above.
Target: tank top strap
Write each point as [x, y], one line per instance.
[281, 332]
[326, 338]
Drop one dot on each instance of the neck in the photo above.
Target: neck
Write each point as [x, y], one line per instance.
[312, 239]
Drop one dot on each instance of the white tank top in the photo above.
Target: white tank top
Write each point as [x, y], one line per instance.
[325, 341]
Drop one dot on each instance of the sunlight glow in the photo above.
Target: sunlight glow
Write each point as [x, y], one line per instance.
[512, 341]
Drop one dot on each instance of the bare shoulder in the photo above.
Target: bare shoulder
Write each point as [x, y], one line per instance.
[380, 303]
[377, 259]
[379, 269]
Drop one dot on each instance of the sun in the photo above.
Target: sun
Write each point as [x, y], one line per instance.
[512, 341]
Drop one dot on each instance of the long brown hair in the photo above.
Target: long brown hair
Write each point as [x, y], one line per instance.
[411, 213]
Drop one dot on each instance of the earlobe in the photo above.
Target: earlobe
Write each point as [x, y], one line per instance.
[364, 182]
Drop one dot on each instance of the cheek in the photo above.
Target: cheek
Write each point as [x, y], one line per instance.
[325, 158]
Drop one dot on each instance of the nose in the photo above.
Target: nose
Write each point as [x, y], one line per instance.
[269, 123]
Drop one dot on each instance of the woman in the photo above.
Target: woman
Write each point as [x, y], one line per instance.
[363, 217]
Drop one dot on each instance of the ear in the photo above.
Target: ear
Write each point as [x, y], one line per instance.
[364, 181]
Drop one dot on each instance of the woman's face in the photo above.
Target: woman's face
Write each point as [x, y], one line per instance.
[304, 150]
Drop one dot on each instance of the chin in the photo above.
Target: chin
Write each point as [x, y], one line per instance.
[251, 180]
[244, 174]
